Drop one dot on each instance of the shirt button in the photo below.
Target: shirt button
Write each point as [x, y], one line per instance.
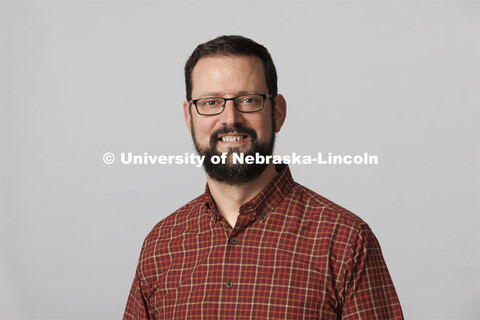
[260, 216]
[229, 284]
[234, 241]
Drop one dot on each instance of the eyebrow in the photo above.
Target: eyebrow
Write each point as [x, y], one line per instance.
[219, 95]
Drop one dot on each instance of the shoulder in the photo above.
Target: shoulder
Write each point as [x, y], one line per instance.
[316, 207]
[183, 220]
[335, 231]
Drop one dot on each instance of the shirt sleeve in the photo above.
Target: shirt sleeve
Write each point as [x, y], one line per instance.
[369, 290]
[136, 304]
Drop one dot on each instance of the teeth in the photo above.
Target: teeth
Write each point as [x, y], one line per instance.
[231, 138]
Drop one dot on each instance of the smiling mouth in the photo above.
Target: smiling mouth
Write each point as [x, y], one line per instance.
[233, 138]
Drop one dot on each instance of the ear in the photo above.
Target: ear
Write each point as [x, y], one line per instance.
[187, 115]
[280, 111]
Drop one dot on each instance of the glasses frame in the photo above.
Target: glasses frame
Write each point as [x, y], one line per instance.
[264, 96]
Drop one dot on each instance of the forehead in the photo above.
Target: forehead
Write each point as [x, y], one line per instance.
[228, 75]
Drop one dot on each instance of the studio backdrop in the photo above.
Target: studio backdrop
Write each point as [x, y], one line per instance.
[83, 82]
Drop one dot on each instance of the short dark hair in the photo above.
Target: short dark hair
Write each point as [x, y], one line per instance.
[232, 46]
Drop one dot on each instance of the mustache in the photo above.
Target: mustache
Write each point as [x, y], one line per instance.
[233, 129]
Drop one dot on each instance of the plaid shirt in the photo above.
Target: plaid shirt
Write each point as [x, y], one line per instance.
[291, 255]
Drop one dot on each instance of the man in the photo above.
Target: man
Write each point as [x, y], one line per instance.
[255, 245]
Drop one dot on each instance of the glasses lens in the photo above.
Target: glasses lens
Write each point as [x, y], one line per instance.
[249, 103]
[210, 105]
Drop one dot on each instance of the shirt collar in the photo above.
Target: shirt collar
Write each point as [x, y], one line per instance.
[263, 203]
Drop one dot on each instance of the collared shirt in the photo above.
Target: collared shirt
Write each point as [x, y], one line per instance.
[292, 254]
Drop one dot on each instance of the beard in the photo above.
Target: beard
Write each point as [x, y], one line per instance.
[229, 172]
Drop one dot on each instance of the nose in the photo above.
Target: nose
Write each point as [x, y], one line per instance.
[230, 114]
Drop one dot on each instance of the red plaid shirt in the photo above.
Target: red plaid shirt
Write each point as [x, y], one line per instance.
[291, 255]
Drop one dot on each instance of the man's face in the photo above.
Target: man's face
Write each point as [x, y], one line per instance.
[231, 131]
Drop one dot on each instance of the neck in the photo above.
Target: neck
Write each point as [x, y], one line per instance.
[229, 198]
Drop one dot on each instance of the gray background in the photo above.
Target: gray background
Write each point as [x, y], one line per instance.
[399, 79]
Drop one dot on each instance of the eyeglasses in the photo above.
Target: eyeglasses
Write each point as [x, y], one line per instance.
[246, 104]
